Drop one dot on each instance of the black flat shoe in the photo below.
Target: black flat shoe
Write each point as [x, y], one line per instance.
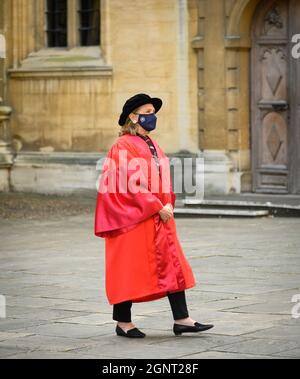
[178, 328]
[131, 333]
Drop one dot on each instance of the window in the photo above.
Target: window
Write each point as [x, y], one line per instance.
[56, 23]
[67, 37]
[73, 23]
[89, 22]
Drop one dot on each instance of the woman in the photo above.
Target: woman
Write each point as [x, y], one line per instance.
[144, 259]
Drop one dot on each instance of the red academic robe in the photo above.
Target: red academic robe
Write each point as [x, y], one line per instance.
[143, 256]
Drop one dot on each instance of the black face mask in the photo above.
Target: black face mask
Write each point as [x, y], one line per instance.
[147, 121]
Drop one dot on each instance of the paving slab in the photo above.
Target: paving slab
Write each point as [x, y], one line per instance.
[259, 346]
[52, 274]
[225, 355]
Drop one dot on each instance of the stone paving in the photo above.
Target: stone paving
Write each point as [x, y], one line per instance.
[247, 271]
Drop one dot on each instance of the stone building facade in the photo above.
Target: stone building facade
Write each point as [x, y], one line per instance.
[224, 69]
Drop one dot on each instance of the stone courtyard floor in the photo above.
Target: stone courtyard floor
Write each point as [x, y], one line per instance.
[52, 277]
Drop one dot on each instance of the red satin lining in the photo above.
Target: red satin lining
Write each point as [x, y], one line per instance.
[169, 271]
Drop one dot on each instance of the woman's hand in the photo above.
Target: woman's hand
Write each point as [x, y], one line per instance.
[166, 212]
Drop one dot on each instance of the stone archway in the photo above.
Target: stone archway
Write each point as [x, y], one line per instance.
[243, 16]
[224, 96]
[238, 48]
[240, 20]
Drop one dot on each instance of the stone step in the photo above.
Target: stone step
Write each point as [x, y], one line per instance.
[220, 212]
[277, 209]
[236, 204]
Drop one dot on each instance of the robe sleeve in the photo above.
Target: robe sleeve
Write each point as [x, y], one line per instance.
[116, 211]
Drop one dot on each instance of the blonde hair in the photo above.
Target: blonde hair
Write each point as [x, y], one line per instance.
[129, 127]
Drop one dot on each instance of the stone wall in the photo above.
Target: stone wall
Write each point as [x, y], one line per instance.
[194, 54]
[64, 103]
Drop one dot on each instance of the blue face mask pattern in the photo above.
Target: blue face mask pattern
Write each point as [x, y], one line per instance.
[147, 121]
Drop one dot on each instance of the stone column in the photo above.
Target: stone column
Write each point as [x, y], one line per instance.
[186, 137]
[214, 57]
[210, 46]
[6, 156]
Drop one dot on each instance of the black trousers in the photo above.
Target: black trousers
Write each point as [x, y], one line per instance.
[177, 300]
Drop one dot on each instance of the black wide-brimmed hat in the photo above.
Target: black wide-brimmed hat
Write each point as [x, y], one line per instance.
[137, 101]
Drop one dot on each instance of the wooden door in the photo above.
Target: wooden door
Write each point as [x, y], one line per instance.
[272, 112]
[294, 133]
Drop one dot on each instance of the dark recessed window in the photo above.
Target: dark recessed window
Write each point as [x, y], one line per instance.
[89, 22]
[57, 23]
